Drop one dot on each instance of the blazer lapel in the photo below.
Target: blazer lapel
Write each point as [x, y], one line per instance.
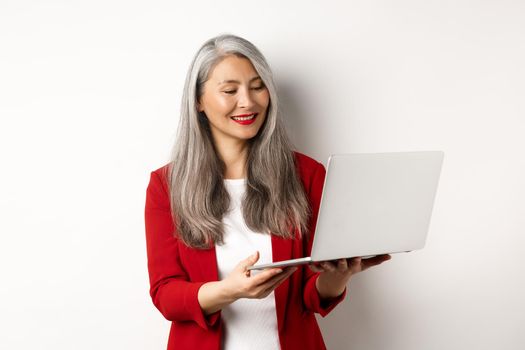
[206, 262]
[281, 250]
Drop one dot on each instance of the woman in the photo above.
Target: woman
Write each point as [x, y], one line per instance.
[235, 194]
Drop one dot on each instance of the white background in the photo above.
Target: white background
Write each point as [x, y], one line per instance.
[89, 103]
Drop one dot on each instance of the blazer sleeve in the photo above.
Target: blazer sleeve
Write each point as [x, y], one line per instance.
[311, 298]
[174, 295]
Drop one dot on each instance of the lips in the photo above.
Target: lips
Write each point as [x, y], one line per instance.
[245, 119]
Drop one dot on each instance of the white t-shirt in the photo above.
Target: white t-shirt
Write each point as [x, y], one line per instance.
[248, 323]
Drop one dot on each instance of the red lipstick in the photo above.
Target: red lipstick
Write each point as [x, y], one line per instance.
[247, 119]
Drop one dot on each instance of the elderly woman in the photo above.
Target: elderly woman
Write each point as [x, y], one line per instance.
[233, 194]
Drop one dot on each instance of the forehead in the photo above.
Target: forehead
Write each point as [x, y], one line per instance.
[233, 68]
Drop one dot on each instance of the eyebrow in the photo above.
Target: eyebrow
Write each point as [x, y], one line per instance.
[238, 82]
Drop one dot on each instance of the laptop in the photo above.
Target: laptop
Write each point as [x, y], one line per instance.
[372, 204]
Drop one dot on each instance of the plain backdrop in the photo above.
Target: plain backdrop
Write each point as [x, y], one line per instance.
[89, 103]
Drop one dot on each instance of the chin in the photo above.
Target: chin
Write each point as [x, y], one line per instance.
[248, 137]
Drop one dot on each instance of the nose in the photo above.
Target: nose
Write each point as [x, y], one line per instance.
[246, 99]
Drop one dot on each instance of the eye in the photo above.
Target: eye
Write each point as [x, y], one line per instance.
[257, 88]
[230, 92]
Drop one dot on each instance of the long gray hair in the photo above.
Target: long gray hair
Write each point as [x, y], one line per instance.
[275, 200]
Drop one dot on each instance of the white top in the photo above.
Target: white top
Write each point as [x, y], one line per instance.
[248, 323]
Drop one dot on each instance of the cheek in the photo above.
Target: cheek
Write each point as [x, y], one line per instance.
[264, 100]
[224, 104]
[217, 104]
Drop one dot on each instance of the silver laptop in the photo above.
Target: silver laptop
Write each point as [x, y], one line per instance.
[373, 203]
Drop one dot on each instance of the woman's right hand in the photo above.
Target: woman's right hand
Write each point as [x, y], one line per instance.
[243, 283]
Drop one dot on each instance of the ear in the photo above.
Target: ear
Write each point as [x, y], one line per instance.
[199, 106]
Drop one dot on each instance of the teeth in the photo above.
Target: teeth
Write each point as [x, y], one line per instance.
[244, 118]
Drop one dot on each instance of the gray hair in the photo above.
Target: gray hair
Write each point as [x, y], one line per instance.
[275, 200]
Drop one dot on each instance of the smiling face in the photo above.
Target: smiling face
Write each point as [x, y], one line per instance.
[235, 100]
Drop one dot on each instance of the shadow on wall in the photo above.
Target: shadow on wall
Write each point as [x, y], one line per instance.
[357, 323]
[351, 323]
[299, 119]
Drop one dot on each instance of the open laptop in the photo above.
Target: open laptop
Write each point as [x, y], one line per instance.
[373, 203]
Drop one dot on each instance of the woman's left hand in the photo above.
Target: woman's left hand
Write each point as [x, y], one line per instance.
[335, 274]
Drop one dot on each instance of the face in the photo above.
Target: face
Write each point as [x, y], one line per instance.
[235, 100]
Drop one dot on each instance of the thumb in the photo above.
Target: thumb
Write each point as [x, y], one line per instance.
[252, 259]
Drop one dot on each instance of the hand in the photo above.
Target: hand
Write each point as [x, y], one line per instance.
[336, 274]
[243, 283]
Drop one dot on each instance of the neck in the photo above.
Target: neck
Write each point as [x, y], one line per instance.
[234, 154]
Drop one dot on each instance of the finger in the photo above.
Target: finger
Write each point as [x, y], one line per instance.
[264, 276]
[355, 264]
[316, 268]
[291, 269]
[272, 287]
[328, 266]
[249, 261]
[376, 260]
[275, 281]
[342, 265]
[266, 288]
[252, 259]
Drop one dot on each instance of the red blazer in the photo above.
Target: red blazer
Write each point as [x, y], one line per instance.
[176, 273]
